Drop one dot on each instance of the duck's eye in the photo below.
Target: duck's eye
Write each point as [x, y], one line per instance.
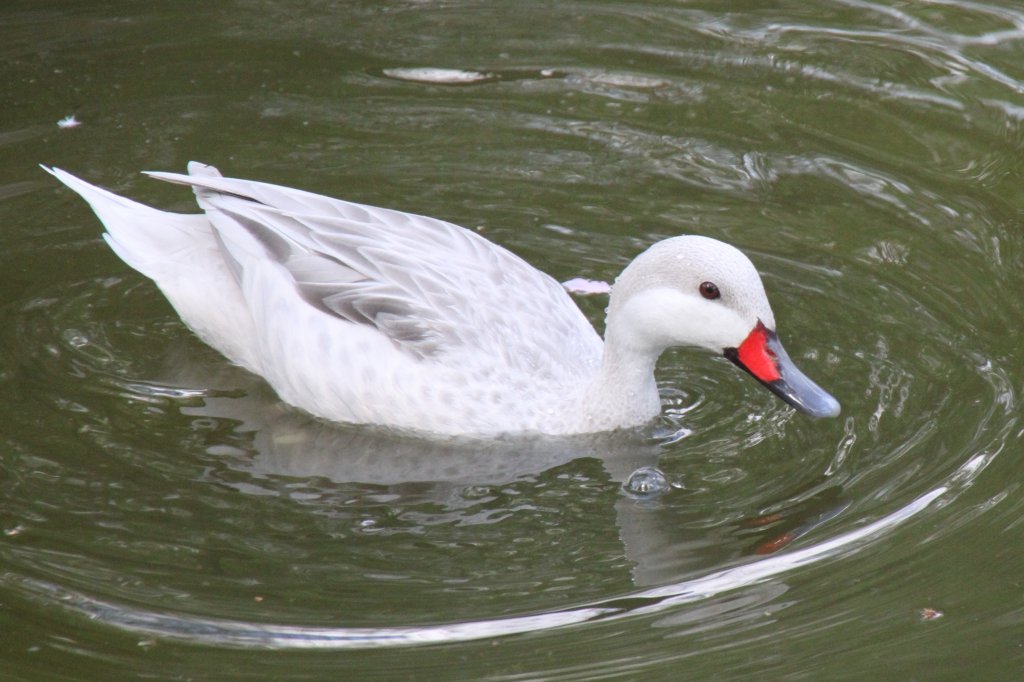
[709, 290]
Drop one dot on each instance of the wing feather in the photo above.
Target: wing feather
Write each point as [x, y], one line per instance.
[431, 287]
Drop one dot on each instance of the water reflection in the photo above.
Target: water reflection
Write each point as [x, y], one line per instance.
[279, 447]
[287, 443]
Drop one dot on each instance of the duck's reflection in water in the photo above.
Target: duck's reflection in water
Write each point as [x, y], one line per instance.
[660, 535]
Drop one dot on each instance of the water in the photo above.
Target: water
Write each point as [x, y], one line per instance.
[163, 514]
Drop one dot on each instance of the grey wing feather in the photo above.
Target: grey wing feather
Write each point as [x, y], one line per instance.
[428, 285]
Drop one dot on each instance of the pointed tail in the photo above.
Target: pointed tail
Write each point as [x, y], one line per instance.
[144, 237]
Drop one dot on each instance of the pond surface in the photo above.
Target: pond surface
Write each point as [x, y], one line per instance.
[164, 515]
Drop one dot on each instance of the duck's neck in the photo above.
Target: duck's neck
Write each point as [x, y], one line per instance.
[624, 393]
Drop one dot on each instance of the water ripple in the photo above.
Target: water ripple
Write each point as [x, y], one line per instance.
[232, 634]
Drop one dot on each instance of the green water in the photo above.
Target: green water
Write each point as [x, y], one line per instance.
[163, 515]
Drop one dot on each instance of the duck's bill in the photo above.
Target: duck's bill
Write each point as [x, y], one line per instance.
[764, 358]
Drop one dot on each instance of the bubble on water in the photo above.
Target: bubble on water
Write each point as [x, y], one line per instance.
[647, 482]
[75, 338]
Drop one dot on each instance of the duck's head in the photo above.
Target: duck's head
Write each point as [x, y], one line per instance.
[697, 291]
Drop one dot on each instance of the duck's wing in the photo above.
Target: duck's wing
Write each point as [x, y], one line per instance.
[429, 286]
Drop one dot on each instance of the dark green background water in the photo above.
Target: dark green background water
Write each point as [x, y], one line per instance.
[163, 515]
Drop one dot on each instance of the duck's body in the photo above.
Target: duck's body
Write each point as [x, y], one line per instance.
[367, 315]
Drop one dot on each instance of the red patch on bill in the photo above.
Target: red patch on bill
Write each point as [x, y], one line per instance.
[756, 357]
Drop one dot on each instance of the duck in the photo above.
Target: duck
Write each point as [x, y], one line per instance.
[373, 316]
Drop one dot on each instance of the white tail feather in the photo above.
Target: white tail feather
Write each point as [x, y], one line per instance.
[144, 237]
[181, 254]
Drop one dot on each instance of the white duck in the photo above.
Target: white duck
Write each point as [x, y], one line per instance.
[373, 316]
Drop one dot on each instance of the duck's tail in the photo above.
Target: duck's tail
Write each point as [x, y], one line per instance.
[144, 237]
[182, 255]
